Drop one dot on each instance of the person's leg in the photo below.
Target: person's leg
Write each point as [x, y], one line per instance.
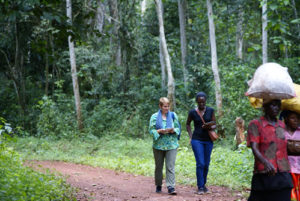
[256, 196]
[295, 195]
[198, 150]
[278, 195]
[208, 146]
[159, 156]
[170, 167]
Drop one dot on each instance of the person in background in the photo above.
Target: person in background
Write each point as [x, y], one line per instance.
[292, 132]
[271, 180]
[164, 127]
[201, 143]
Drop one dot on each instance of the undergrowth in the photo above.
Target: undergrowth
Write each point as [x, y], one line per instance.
[231, 168]
[21, 183]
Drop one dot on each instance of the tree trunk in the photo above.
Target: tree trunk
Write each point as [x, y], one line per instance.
[162, 65]
[115, 40]
[296, 15]
[46, 69]
[171, 85]
[73, 68]
[55, 72]
[264, 33]
[214, 58]
[17, 73]
[182, 23]
[240, 33]
[99, 16]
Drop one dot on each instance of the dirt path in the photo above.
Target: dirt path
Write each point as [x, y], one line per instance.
[98, 184]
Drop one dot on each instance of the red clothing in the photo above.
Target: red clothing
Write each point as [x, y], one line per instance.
[296, 190]
[271, 144]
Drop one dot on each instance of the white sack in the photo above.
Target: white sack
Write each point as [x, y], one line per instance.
[271, 81]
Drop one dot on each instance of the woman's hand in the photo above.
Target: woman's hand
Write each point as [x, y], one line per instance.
[165, 131]
[206, 126]
[209, 125]
[270, 170]
[161, 131]
[170, 130]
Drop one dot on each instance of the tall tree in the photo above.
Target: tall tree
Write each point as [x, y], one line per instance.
[115, 39]
[214, 58]
[182, 23]
[99, 18]
[73, 68]
[171, 85]
[296, 16]
[264, 32]
[240, 33]
[162, 65]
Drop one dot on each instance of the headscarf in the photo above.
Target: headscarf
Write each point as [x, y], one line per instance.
[159, 120]
[200, 94]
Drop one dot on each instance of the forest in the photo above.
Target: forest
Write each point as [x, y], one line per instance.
[82, 78]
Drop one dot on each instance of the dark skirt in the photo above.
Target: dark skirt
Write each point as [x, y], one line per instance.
[271, 188]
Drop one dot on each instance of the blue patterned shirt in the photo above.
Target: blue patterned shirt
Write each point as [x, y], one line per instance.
[164, 141]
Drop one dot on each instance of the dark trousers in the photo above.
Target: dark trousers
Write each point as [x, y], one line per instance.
[202, 151]
[279, 195]
[265, 187]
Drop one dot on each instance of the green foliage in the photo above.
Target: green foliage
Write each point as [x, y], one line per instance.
[232, 167]
[18, 182]
[115, 151]
[57, 118]
[235, 103]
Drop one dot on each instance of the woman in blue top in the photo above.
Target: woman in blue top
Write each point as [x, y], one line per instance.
[201, 143]
[164, 127]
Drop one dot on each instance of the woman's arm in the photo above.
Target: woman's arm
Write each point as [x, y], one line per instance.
[188, 126]
[268, 166]
[152, 128]
[212, 124]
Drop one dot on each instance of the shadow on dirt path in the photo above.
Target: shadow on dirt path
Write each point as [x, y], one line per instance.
[98, 184]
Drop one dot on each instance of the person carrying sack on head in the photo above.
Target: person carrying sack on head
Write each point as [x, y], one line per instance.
[271, 180]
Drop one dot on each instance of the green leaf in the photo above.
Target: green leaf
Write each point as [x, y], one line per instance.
[296, 21]
[273, 6]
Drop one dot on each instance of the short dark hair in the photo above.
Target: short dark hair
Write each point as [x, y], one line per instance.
[286, 113]
[200, 94]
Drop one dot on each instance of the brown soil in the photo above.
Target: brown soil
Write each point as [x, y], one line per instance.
[98, 184]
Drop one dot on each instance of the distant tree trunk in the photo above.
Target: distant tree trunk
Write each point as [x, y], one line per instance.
[55, 71]
[73, 68]
[214, 58]
[115, 40]
[296, 15]
[126, 75]
[264, 33]
[162, 65]
[16, 71]
[182, 22]
[46, 69]
[240, 33]
[99, 16]
[171, 85]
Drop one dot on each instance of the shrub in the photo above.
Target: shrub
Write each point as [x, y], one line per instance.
[22, 183]
[57, 119]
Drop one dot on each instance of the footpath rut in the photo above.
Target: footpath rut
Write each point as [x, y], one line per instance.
[98, 184]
